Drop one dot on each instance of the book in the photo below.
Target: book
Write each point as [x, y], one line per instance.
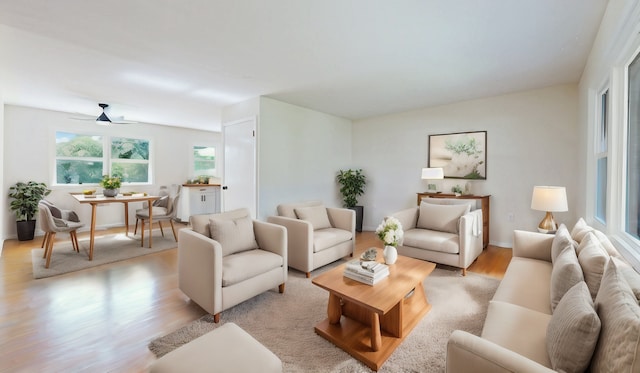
[370, 269]
[365, 279]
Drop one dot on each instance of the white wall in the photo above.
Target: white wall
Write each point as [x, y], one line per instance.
[531, 140]
[29, 148]
[300, 153]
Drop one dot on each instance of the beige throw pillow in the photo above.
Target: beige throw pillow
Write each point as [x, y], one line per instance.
[443, 218]
[580, 230]
[316, 215]
[234, 235]
[592, 259]
[561, 241]
[618, 346]
[573, 331]
[565, 274]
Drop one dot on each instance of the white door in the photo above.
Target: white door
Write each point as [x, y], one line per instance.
[239, 180]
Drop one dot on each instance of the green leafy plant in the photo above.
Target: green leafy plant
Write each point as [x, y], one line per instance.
[25, 199]
[352, 185]
[110, 182]
[457, 189]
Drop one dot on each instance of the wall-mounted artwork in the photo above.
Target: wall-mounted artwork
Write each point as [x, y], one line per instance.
[461, 155]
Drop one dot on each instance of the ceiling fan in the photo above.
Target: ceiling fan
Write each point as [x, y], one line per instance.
[105, 120]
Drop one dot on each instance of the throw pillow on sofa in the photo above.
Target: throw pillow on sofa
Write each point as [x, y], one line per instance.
[618, 346]
[592, 259]
[573, 331]
[580, 230]
[561, 240]
[442, 218]
[566, 272]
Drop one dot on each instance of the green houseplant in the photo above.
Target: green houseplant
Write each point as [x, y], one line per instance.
[111, 184]
[352, 183]
[25, 204]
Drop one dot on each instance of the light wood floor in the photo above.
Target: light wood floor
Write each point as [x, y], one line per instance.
[102, 319]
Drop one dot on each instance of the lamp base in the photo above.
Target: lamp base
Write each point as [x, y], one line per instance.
[548, 224]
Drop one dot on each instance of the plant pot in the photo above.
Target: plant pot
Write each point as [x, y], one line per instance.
[26, 229]
[110, 192]
[359, 216]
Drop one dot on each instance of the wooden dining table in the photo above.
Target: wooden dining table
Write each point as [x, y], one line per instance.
[95, 200]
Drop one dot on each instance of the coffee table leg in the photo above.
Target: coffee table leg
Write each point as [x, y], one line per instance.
[334, 310]
[376, 337]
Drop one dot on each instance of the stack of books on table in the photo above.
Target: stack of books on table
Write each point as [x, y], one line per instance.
[367, 272]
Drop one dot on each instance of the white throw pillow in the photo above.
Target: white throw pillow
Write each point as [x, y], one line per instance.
[580, 230]
[316, 215]
[565, 274]
[234, 235]
[561, 241]
[618, 346]
[593, 260]
[443, 218]
[573, 331]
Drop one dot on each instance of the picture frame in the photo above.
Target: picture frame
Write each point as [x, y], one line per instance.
[462, 155]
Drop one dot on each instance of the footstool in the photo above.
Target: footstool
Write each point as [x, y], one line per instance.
[227, 348]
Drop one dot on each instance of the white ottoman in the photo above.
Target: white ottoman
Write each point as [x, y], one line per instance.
[227, 348]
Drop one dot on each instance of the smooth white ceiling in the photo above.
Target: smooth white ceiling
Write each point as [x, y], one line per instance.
[179, 62]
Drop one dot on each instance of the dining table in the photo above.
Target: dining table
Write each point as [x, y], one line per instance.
[97, 199]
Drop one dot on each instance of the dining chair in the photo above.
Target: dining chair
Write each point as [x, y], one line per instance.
[160, 214]
[52, 225]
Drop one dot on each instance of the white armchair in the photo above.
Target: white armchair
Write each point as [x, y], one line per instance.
[317, 235]
[227, 258]
[444, 231]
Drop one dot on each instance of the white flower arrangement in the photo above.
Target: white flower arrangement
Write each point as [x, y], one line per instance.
[390, 231]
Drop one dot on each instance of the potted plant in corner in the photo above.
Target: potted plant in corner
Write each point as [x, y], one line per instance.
[352, 183]
[111, 185]
[25, 204]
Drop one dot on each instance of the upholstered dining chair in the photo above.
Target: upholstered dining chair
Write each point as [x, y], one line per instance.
[52, 225]
[160, 214]
[163, 201]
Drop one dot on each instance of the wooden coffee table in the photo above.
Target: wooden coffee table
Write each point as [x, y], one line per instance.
[369, 322]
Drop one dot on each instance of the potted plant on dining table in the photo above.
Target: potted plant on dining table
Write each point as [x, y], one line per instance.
[111, 185]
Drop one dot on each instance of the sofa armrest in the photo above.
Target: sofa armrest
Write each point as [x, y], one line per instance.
[469, 353]
[532, 245]
[470, 237]
[271, 237]
[408, 217]
[299, 241]
[342, 218]
[200, 269]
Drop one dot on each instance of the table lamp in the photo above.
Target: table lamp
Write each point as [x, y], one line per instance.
[549, 199]
[432, 173]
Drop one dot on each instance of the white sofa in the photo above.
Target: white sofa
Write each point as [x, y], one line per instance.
[568, 302]
[442, 230]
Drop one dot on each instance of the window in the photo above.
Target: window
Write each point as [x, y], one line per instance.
[83, 159]
[204, 160]
[633, 150]
[601, 158]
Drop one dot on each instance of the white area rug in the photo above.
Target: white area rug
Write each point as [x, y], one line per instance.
[284, 324]
[107, 249]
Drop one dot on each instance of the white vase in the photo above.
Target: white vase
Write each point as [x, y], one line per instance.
[390, 254]
[110, 192]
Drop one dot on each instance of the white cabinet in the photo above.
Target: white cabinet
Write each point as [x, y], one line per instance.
[198, 199]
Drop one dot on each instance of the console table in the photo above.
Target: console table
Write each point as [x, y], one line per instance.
[484, 202]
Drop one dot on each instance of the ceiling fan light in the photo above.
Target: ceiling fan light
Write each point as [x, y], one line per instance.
[103, 118]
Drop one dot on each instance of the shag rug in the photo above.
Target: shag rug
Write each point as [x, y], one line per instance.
[107, 249]
[284, 323]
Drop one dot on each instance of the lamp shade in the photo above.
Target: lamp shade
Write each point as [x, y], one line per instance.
[433, 173]
[549, 198]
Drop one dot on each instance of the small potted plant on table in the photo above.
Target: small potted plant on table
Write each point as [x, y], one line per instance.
[111, 185]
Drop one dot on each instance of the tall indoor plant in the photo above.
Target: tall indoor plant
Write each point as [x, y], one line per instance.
[352, 183]
[25, 204]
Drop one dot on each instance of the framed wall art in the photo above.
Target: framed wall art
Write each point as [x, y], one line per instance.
[462, 155]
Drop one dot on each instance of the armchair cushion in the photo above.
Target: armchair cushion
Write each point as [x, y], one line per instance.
[329, 237]
[432, 240]
[316, 215]
[442, 218]
[573, 331]
[247, 264]
[234, 235]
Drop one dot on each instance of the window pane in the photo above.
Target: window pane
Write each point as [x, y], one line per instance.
[131, 172]
[602, 135]
[74, 145]
[123, 148]
[204, 160]
[633, 150]
[601, 190]
[78, 172]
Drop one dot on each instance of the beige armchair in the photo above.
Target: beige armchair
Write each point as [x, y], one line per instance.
[227, 258]
[317, 235]
[445, 231]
